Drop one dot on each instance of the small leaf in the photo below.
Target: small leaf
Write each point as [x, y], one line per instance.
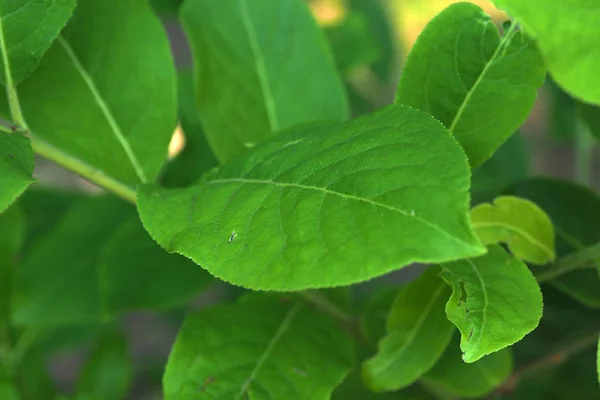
[474, 380]
[575, 213]
[257, 348]
[566, 37]
[27, 29]
[259, 67]
[496, 301]
[323, 205]
[16, 167]
[519, 223]
[481, 86]
[418, 332]
[105, 92]
[107, 372]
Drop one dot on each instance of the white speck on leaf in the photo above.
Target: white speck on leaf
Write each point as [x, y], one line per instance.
[232, 236]
[299, 371]
[412, 212]
[249, 145]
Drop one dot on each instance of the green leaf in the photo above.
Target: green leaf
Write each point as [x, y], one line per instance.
[259, 348]
[519, 223]
[567, 39]
[598, 362]
[196, 156]
[166, 8]
[474, 380]
[496, 301]
[104, 93]
[27, 29]
[260, 67]
[107, 372]
[480, 85]
[575, 213]
[16, 167]
[322, 205]
[418, 332]
[34, 380]
[561, 114]
[590, 115]
[108, 266]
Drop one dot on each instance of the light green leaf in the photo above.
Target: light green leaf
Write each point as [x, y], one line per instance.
[16, 167]
[475, 380]
[480, 85]
[496, 301]
[27, 29]
[324, 205]
[105, 92]
[418, 332]
[107, 372]
[260, 67]
[566, 35]
[575, 213]
[260, 348]
[111, 267]
[519, 223]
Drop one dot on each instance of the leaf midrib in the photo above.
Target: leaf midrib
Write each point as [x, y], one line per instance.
[519, 231]
[345, 196]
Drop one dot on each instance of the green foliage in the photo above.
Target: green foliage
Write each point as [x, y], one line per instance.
[495, 302]
[520, 224]
[259, 348]
[16, 167]
[285, 211]
[590, 115]
[250, 83]
[564, 33]
[480, 85]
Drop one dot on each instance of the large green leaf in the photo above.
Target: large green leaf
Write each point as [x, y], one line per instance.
[16, 167]
[259, 348]
[260, 67]
[418, 332]
[566, 34]
[324, 205]
[104, 93]
[27, 29]
[96, 263]
[459, 379]
[495, 302]
[480, 85]
[575, 213]
[519, 223]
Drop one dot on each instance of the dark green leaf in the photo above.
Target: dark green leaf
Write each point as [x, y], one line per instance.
[591, 117]
[520, 224]
[418, 332]
[323, 204]
[481, 86]
[104, 93]
[98, 262]
[561, 114]
[107, 372]
[166, 8]
[33, 377]
[260, 67]
[258, 349]
[16, 167]
[598, 360]
[457, 378]
[575, 213]
[373, 318]
[566, 34]
[496, 301]
[196, 157]
[27, 29]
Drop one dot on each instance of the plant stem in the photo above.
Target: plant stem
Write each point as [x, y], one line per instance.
[581, 259]
[11, 90]
[584, 146]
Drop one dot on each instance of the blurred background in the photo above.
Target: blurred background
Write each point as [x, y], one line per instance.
[370, 40]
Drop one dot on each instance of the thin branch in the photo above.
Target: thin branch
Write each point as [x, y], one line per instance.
[584, 258]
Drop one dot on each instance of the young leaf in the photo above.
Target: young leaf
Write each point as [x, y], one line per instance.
[475, 380]
[575, 213]
[112, 267]
[104, 93]
[260, 67]
[566, 37]
[27, 29]
[16, 167]
[324, 205]
[262, 348]
[519, 223]
[418, 332]
[480, 85]
[107, 372]
[495, 302]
